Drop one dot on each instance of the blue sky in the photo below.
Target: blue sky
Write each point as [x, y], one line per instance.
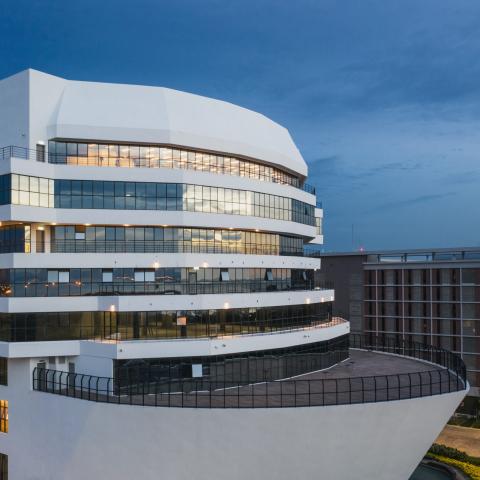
[381, 96]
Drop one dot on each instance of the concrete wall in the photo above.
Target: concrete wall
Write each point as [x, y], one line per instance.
[57, 438]
[346, 273]
[155, 260]
[151, 303]
[14, 110]
[87, 110]
[191, 347]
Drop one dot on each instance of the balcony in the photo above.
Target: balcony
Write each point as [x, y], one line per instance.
[40, 155]
[168, 246]
[378, 370]
[75, 287]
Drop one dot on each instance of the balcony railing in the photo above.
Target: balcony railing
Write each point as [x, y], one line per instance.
[79, 288]
[41, 155]
[167, 246]
[40, 329]
[444, 373]
[212, 331]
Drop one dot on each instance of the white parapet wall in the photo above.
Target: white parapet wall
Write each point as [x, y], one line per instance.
[151, 303]
[57, 438]
[165, 348]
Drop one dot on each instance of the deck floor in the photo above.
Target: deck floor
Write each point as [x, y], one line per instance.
[364, 377]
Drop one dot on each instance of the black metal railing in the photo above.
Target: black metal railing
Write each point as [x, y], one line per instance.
[198, 331]
[40, 155]
[126, 329]
[168, 246]
[75, 288]
[446, 374]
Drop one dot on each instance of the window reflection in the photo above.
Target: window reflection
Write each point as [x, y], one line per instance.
[98, 238]
[33, 191]
[131, 156]
[21, 327]
[40, 282]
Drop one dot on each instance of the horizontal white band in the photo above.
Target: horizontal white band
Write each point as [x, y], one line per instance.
[153, 260]
[150, 303]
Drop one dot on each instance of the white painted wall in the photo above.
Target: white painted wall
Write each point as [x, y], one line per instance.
[150, 303]
[45, 93]
[14, 111]
[151, 217]
[93, 365]
[318, 240]
[225, 345]
[132, 113]
[86, 351]
[150, 260]
[57, 438]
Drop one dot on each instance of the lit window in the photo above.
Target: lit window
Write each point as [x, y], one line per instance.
[150, 275]
[269, 275]
[107, 276]
[224, 276]
[139, 276]
[4, 416]
[79, 232]
[182, 321]
[52, 276]
[63, 276]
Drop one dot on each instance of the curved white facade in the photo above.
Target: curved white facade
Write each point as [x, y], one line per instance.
[223, 257]
[151, 246]
[56, 438]
[132, 113]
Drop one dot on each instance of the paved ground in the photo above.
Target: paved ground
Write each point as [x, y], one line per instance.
[363, 364]
[462, 438]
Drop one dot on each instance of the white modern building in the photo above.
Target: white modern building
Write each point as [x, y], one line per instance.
[158, 316]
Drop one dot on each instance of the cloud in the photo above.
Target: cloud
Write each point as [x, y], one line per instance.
[396, 204]
[462, 178]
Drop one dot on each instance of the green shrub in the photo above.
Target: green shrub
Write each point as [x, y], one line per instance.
[453, 453]
[469, 422]
[473, 471]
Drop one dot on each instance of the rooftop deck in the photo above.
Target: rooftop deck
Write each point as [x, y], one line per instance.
[364, 363]
[366, 376]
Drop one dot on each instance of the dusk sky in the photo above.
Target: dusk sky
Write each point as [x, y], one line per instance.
[382, 97]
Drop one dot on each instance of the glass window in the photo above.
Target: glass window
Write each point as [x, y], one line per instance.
[4, 416]
[3, 371]
[107, 276]
[469, 276]
[63, 276]
[35, 191]
[224, 275]
[139, 275]
[150, 275]
[115, 155]
[3, 466]
[52, 276]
